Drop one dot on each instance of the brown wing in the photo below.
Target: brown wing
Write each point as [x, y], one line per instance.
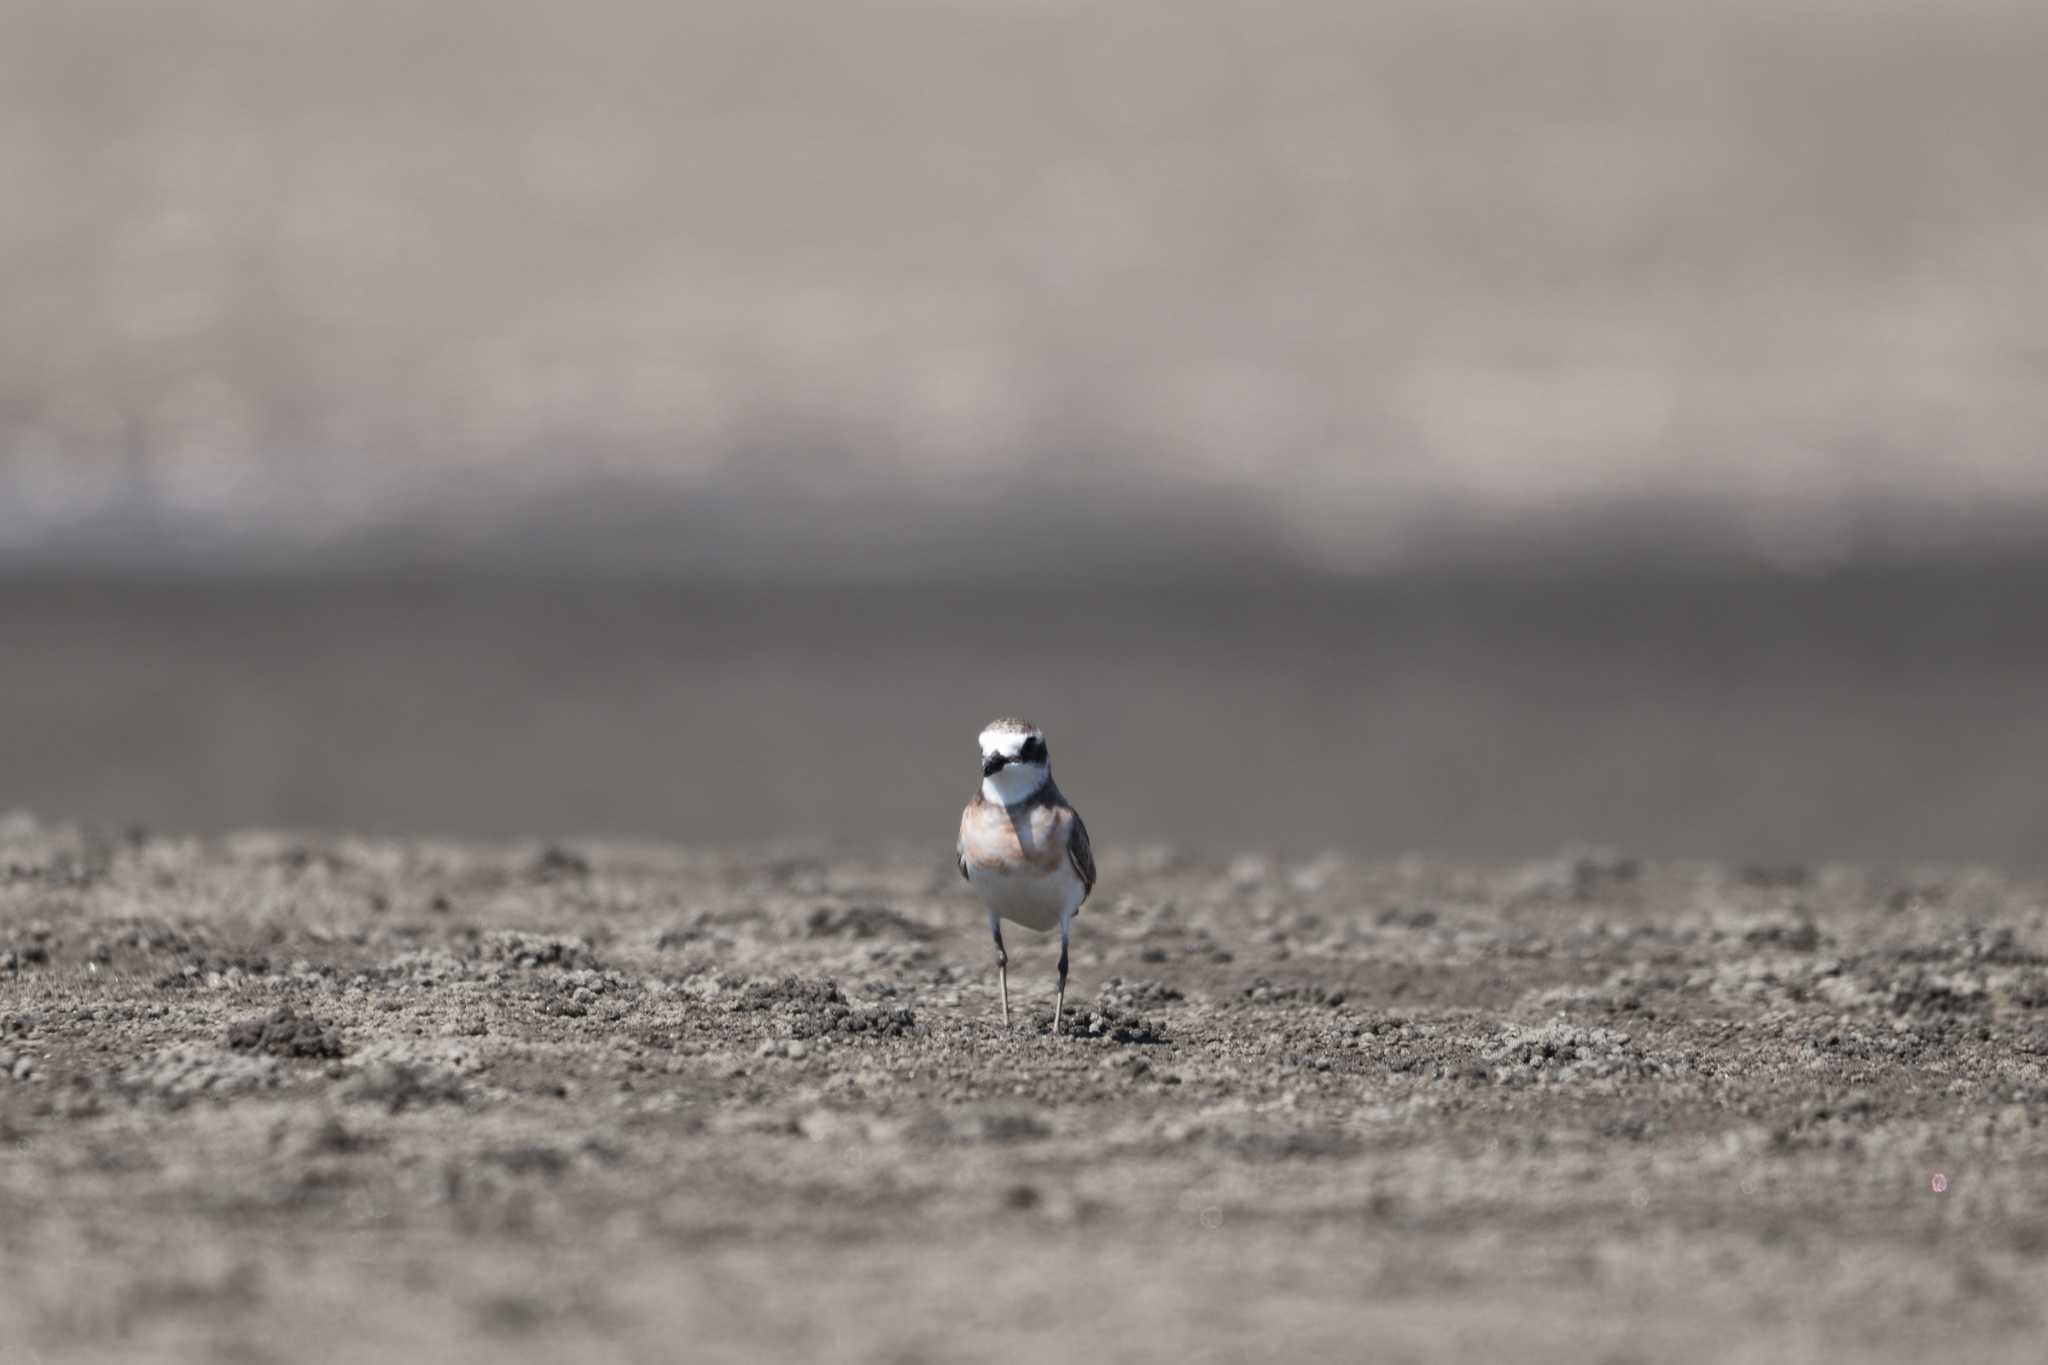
[1080, 853]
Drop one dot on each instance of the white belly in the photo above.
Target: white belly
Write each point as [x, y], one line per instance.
[1035, 902]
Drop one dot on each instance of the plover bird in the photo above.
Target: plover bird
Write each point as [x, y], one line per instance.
[1022, 848]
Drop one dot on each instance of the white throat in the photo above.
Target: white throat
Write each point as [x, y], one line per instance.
[1018, 782]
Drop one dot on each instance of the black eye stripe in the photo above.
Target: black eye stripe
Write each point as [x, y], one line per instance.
[1030, 751]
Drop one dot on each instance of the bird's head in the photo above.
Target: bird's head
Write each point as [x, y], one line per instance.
[1014, 764]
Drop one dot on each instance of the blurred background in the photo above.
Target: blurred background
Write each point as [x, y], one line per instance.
[1378, 426]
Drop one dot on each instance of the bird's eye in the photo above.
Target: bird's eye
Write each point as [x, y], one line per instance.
[1033, 751]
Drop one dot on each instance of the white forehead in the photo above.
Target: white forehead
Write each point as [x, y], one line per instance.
[1005, 740]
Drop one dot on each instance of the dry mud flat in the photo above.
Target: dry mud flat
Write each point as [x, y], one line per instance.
[270, 1098]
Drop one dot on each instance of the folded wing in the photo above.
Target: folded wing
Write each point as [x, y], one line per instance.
[1081, 854]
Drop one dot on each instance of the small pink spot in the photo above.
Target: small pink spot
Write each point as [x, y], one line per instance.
[1940, 1183]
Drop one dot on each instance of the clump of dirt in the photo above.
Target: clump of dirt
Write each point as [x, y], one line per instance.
[204, 969]
[516, 949]
[1579, 876]
[1138, 994]
[1264, 992]
[791, 994]
[814, 1008]
[399, 1085]
[1922, 994]
[559, 864]
[179, 1075]
[1109, 1020]
[286, 1033]
[864, 921]
[1559, 1053]
[32, 949]
[1783, 931]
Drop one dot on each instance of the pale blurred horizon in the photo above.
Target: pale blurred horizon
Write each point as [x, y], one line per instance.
[913, 292]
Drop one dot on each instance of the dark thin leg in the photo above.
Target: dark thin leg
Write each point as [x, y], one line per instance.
[995, 925]
[1061, 1003]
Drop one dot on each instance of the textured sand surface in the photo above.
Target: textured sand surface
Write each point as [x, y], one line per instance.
[271, 1098]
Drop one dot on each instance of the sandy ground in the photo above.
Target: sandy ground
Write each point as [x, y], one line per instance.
[271, 1098]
